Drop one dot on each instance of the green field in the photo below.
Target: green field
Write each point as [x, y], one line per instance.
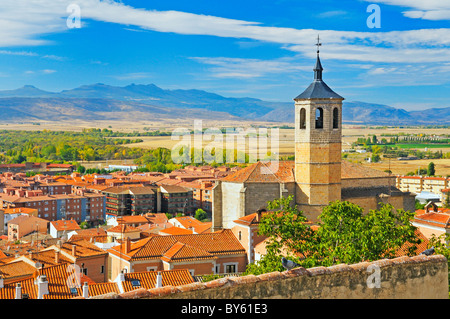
[423, 145]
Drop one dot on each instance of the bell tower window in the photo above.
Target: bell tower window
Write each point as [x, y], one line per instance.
[302, 119]
[335, 118]
[319, 117]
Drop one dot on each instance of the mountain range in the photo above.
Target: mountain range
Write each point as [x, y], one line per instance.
[150, 102]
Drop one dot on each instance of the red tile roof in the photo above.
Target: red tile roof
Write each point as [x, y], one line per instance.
[61, 225]
[182, 252]
[147, 279]
[218, 243]
[271, 173]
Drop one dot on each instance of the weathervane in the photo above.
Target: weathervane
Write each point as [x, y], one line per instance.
[318, 44]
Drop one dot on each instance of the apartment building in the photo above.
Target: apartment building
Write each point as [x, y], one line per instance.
[88, 206]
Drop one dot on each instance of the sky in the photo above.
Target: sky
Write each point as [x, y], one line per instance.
[398, 55]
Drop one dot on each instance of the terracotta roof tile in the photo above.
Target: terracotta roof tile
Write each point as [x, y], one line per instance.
[266, 173]
[61, 225]
[147, 279]
[182, 252]
[218, 243]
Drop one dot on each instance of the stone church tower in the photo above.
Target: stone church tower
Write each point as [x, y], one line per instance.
[316, 177]
[318, 138]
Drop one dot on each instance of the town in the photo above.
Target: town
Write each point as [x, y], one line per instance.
[209, 159]
[68, 234]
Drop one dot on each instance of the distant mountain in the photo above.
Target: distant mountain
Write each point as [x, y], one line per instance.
[19, 109]
[101, 101]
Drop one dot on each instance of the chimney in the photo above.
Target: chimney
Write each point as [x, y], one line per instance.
[127, 245]
[42, 283]
[57, 257]
[18, 291]
[85, 290]
[159, 280]
[119, 280]
[74, 250]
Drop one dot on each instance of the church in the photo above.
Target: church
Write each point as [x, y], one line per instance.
[316, 177]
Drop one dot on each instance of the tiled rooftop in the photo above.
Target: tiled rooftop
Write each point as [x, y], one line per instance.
[284, 172]
[218, 243]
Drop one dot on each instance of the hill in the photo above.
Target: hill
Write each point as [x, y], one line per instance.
[105, 102]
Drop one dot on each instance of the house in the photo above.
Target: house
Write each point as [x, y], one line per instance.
[60, 227]
[54, 282]
[91, 260]
[432, 220]
[189, 222]
[246, 231]
[24, 225]
[153, 279]
[12, 212]
[122, 231]
[207, 253]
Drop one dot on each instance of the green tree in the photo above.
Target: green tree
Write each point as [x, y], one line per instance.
[200, 214]
[81, 169]
[344, 235]
[431, 170]
[374, 139]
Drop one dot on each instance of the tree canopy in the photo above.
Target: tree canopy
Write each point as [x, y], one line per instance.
[343, 235]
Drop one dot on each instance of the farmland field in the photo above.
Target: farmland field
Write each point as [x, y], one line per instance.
[286, 141]
[423, 146]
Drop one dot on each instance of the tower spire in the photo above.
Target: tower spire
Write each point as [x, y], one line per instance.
[318, 44]
[318, 67]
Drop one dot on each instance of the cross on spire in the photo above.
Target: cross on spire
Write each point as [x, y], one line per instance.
[318, 44]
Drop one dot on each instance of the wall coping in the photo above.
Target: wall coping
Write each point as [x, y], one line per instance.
[276, 275]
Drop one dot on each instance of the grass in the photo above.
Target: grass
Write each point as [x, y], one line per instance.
[422, 146]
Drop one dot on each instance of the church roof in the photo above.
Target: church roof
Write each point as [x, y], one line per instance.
[318, 89]
[261, 172]
[284, 173]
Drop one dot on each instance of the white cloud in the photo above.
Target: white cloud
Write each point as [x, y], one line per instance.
[24, 22]
[223, 67]
[48, 71]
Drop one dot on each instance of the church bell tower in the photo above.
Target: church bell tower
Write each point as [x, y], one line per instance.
[318, 144]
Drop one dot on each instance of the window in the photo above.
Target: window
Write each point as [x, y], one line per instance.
[335, 118]
[102, 269]
[319, 117]
[240, 235]
[217, 269]
[302, 119]
[231, 267]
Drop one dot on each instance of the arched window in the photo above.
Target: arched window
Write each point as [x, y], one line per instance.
[319, 117]
[302, 119]
[335, 118]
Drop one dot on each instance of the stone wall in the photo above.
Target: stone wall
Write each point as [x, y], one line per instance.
[419, 277]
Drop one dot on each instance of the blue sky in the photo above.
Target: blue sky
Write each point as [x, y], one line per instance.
[247, 48]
